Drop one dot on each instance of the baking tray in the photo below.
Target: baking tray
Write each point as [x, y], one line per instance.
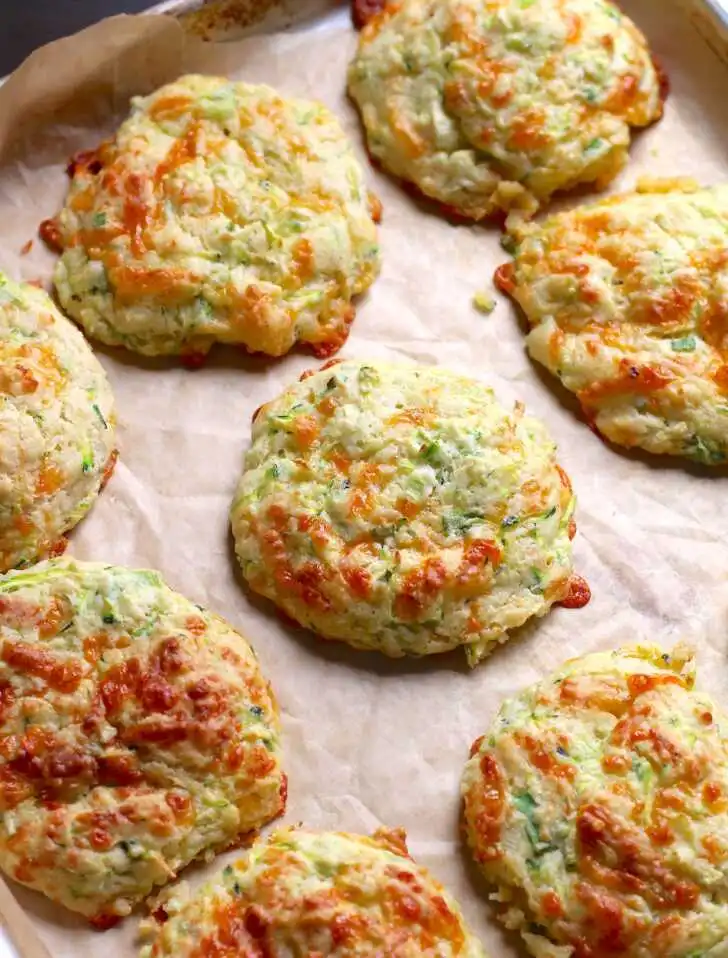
[710, 18]
[229, 17]
[223, 20]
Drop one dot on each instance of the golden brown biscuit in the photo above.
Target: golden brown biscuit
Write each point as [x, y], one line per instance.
[57, 424]
[219, 212]
[628, 304]
[494, 106]
[136, 734]
[401, 508]
[322, 894]
[598, 805]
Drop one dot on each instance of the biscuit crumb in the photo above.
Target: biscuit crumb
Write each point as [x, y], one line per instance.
[484, 302]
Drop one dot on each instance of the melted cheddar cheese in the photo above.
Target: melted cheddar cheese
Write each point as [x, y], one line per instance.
[628, 304]
[136, 734]
[56, 426]
[598, 804]
[323, 894]
[489, 105]
[219, 211]
[401, 508]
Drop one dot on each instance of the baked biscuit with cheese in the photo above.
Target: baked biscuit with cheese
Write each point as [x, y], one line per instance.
[401, 508]
[56, 426]
[328, 894]
[597, 804]
[219, 212]
[628, 304]
[136, 731]
[493, 105]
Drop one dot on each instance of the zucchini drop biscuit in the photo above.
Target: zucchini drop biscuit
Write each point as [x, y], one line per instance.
[493, 105]
[319, 894]
[56, 426]
[136, 731]
[628, 305]
[219, 212]
[598, 805]
[401, 508]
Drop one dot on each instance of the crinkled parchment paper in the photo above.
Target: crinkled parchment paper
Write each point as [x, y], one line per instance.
[367, 741]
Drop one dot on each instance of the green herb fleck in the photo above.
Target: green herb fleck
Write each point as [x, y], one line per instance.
[457, 523]
[525, 803]
[518, 44]
[100, 415]
[686, 344]
[132, 848]
[325, 869]
[204, 306]
[705, 451]
[368, 377]
[431, 451]
[99, 219]
[538, 580]
[642, 769]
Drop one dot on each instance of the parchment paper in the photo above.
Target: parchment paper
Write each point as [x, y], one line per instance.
[367, 741]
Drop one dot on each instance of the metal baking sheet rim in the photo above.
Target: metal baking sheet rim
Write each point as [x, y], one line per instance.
[709, 17]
